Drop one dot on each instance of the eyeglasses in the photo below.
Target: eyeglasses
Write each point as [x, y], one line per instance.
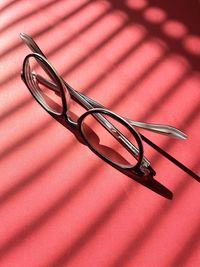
[110, 136]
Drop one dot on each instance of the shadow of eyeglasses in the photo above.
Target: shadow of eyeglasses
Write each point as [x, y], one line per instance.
[147, 181]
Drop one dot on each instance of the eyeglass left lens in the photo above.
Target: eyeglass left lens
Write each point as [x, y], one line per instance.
[112, 138]
[43, 84]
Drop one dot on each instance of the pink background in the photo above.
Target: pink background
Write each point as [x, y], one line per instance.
[60, 205]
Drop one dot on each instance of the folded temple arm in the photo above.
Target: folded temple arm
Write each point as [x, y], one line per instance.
[157, 128]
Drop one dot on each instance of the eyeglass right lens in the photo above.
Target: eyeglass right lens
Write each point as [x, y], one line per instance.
[113, 140]
[42, 83]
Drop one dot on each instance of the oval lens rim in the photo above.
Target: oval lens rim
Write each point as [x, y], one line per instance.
[113, 115]
[55, 77]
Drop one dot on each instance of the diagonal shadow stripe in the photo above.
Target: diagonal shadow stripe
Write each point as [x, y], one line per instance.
[155, 30]
[65, 42]
[160, 214]
[102, 44]
[6, 6]
[34, 227]
[26, 138]
[65, 258]
[189, 247]
[104, 216]
[9, 78]
[47, 28]
[133, 85]
[19, 107]
[168, 144]
[136, 244]
[16, 108]
[28, 179]
[54, 208]
[28, 14]
[81, 31]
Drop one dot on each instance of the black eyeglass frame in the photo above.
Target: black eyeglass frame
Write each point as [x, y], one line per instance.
[94, 105]
[139, 168]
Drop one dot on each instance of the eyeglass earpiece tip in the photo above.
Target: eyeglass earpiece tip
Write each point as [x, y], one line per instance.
[182, 135]
[21, 34]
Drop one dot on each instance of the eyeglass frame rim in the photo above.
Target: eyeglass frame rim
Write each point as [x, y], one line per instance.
[58, 79]
[35, 48]
[118, 118]
[136, 168]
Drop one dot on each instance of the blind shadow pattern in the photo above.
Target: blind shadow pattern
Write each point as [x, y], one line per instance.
[130, 17]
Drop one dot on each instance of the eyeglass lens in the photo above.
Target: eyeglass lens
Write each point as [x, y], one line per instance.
[36, 72]
[114, 142]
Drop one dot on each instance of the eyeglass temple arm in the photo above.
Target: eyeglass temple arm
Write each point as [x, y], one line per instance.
[153, 145]
[149, 142]
[170, 131]
[173, 132]
[157, 128]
